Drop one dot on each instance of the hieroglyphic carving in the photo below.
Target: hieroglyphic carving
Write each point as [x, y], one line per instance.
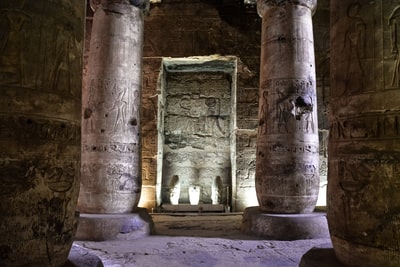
[197, 158]
[34, 128]
[12, 21]
[246, 171]
[56, 49]
[368, 127]
[294, 148]
[111, 102]
[363, 150]
[116, 147]
[149, 171]
[149, 144]
[371, 37]
[354, 49]
[393, 21]
[294, 109]
[194, 121]
[123, 178]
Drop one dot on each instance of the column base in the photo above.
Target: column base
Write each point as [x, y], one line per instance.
[320, 256]
[284, 226]
[123, 226]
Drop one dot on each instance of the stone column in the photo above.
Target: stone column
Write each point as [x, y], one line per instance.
[111, 154]
[364, 146]
[287, 165]
[41, 49]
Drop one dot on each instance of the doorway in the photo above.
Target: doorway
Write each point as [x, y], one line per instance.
[196, 133]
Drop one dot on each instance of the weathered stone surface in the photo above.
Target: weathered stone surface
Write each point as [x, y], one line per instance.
[287, 166]
[364, 148]
[40, 86]
[111, 156]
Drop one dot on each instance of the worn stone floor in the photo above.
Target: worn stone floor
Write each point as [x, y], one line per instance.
[199, 239]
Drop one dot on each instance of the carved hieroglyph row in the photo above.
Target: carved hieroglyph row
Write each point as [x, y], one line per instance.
[40, 129]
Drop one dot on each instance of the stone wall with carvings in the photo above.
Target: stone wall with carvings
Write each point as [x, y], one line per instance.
[184, 28]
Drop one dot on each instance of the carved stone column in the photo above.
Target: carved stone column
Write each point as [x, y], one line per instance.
[111, 156]
[287, 166]
[41, 49]
[364, 147]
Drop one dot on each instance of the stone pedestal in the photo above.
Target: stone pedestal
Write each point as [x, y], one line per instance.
[287, 164]
[284, 226]
[41, 48]
[102, 227]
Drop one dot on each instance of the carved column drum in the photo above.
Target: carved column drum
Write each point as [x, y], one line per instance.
[287, 165]
[41, 48]
[111, 172]
[364, 145]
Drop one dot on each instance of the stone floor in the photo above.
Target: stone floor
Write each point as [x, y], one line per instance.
[199, 239]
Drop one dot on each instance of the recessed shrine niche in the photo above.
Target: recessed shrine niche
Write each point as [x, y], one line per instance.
[196, 137]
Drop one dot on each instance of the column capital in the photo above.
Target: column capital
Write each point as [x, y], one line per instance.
[264, 4]
[141, 4]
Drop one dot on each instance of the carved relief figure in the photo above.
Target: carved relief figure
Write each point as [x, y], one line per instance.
[122, 179]
[393, 21]
[65, 47]
[264, 114]
[354, 49]
[119, 107]
[286, 112]
[212, 123]
[304, 114]
[354, 177]
[11, 41]
[89, 111]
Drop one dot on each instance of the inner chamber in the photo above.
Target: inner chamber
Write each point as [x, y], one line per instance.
[196, 131]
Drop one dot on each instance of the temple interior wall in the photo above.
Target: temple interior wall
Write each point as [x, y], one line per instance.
[178, 29]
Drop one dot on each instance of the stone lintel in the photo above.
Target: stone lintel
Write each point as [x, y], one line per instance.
[284, 226]
[123, 226]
